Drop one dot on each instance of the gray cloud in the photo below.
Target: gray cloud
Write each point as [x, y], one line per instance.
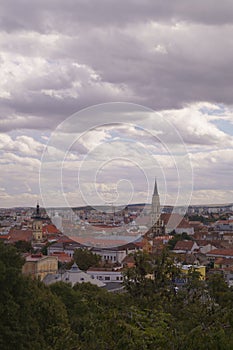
[57, 15]
[58, 57]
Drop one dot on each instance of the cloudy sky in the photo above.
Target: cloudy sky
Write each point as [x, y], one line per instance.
[172, 57]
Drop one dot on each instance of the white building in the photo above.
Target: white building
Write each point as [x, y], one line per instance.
[105, 275]
[73, 276]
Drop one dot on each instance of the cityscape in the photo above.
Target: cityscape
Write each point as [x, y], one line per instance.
[116, 158]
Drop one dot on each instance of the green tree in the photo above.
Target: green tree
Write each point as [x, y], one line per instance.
[23, 246]
[178, 237]
[31, 317]
[84, 258]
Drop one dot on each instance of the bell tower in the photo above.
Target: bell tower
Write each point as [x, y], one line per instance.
[37, 225]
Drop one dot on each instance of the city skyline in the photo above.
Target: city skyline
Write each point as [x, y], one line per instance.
[167, 65]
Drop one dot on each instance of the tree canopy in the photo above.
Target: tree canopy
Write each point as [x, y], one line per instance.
[150, 314]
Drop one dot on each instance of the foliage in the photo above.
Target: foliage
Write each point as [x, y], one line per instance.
[178, 237]
[149, 315]
[31, 316]
[23, 246]
[84, 258]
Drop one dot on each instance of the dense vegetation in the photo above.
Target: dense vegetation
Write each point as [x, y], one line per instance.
[150, 315]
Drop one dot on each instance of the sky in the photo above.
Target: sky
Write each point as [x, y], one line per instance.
[97, 98]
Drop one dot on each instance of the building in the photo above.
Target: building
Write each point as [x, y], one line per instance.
[220, 253]
[38, 265]
[198, 268]
[73, 276]
[106, 274]
[156, 225]
[155, 207]
[186, 247]
[176, 223]
[37, 225]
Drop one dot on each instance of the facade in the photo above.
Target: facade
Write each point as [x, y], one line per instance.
[198, 268]
[38, 265]
[106, 275]
[116, 254]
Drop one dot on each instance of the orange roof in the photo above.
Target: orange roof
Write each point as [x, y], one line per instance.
[221, 252]
[65, 239]
[50, 229]
[5, 237]
[62, 256]
[20, 235]
[184, 245]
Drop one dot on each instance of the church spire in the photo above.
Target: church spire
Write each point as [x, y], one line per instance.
[155, 189]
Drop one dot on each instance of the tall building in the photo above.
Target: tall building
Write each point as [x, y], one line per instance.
[37, 225]
[155, 207]
[156, 224]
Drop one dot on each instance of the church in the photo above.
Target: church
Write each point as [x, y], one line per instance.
[156, 223]
[163, 224]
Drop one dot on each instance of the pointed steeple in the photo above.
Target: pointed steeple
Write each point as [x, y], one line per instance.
[37, 209]
[155, 189]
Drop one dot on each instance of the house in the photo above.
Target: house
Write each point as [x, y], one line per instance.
[176, 222]
[39, 265]
[62, 257]
[185, 247]
[223, 263]
[20, 235]
[220, 253]
[5, 238]
[50, 229]
[198, 268]
[224, 225]
[206, 246]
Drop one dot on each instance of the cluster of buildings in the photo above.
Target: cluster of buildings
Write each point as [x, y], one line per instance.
[204, 245]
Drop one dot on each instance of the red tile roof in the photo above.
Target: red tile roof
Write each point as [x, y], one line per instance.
[62, 256]
[184, 245]
[50, 229]
[5, 237]
[221, 252]
[20, 235]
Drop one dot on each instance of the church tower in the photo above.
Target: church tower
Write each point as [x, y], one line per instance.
[37, 225]
[155, 207]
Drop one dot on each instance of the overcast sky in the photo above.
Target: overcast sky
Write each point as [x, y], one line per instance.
[173, 57]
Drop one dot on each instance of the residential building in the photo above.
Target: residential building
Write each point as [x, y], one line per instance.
[38, 265]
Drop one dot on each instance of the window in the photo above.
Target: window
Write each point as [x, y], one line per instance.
[107, 278]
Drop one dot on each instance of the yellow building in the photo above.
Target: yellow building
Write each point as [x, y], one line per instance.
[39, 266]
[37, 226]
[201, 269]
